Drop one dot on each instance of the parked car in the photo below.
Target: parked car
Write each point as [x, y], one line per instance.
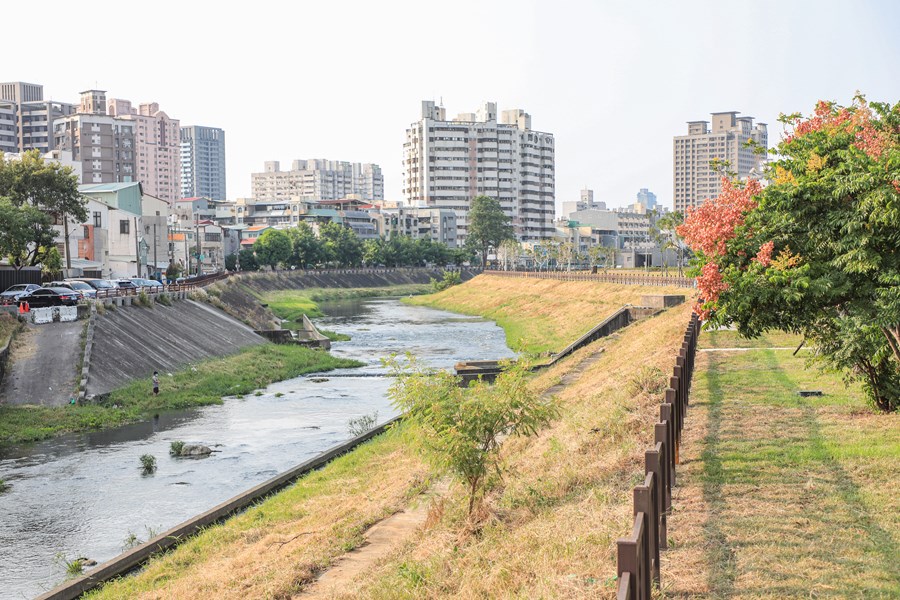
[51, 296]
[81, 287]
[97, 284]
[13, 293]
[146, 283]
[123, 284]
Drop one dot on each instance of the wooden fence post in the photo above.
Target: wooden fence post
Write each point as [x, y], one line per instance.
[654, 462]
[645, 502]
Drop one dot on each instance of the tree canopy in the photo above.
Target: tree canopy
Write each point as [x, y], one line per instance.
[273, 247]
[36, 191]
[817, 251]
[488, 226]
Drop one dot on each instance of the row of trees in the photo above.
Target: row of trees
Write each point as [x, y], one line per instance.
[34, 195]
[817, 251]
[338, 246]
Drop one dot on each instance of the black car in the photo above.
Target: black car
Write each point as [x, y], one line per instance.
[12, 294]
[52, 296]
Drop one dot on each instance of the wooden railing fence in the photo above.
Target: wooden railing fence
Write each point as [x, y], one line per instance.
[638, 554]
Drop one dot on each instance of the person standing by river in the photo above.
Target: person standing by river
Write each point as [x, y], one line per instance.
[156, 383]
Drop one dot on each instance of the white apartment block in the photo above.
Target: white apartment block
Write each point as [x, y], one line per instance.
[447, 163]
[318, 180]
[694, 180]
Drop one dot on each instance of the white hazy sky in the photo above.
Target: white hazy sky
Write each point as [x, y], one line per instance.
[613, 80]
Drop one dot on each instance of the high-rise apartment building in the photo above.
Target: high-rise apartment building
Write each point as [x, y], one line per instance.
[726, 140]
[318, 180]
[157, 149]
[26, 119]
[646, 198]
[203, 162]
[447, 163]
[104, 146]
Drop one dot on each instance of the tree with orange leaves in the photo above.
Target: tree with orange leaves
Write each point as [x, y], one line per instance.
[817, 251]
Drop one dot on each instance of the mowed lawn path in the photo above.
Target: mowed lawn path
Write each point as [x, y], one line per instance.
[781, 496]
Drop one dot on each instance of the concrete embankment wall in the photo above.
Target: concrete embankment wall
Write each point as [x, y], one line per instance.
[241, 294]
[289, 280]
[133, 341]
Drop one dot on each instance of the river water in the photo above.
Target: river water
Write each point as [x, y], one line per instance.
[84, 495]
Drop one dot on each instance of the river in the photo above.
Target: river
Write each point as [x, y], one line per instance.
[83, 495]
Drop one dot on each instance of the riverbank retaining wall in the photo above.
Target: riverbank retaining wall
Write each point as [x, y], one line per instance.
[240, 294]
[130, 342]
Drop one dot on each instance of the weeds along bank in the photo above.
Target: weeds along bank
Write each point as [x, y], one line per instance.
[539, 315]
[547, 530]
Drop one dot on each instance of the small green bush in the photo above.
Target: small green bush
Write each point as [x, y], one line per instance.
[359, 425]
[175, 448]
[143, 299]
[463, 426]
[164, 300]
[449, 279]
[148, 464]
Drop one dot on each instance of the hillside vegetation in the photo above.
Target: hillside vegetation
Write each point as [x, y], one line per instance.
[548, 530]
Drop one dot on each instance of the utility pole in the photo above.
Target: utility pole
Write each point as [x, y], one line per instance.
[199, 247]
[68, 254]
[137, 248]
[155, 264]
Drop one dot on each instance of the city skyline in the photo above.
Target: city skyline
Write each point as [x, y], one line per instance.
[613, 83]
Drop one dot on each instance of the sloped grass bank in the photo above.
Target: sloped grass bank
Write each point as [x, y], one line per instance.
[197, 385]
[783, 496]
[548, 530]
[539, 315]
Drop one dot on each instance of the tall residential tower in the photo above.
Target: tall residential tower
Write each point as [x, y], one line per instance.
[203, 162]
[447, 163]
[726, 140]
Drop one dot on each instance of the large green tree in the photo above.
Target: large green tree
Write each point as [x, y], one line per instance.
[817, 251]
[488, 226]
[340, 245]
[26, 234]
[272, 248]
[47, 187]
[306, 249]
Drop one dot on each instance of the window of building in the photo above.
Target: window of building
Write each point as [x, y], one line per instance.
[124, 226]
[97, 218]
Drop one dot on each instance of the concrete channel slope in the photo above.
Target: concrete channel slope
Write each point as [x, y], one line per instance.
[132, 341]
[42, 364]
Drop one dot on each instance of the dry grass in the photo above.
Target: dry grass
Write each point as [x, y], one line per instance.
[548, 531]
[277, 547]
[780, 496]
[539, 315]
